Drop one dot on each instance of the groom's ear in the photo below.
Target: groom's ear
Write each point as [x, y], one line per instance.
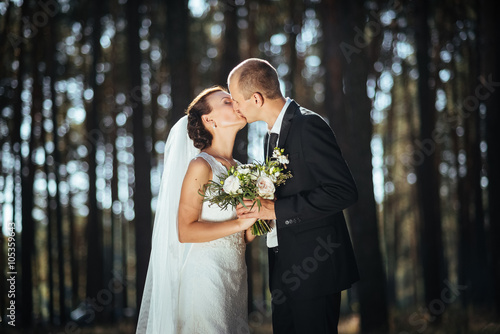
[258, 99]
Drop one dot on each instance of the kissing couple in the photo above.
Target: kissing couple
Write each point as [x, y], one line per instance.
[197, 276]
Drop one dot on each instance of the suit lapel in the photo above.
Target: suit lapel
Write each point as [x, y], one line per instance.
[287, 122]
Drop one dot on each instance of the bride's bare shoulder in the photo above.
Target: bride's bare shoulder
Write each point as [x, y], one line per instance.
[199, 168]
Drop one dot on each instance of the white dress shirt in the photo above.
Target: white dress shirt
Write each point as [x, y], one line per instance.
[272, 237]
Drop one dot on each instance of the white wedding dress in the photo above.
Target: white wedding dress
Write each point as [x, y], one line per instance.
[192, 287]
[213, 289]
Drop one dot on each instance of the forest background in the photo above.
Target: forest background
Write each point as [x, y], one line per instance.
[90, 89]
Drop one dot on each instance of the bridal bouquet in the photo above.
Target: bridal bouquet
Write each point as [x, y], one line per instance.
[250, 181]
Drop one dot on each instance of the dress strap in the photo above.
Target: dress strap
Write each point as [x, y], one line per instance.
[217, 167]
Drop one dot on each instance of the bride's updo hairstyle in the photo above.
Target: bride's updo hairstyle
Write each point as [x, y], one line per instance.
[201, 137]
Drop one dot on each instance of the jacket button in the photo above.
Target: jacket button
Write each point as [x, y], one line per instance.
[287, 222]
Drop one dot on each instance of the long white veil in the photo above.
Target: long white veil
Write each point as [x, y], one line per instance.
[159, 308]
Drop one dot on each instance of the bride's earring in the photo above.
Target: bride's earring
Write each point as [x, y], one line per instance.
[214, 125]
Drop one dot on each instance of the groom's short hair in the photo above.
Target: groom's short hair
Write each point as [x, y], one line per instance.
[257, 76]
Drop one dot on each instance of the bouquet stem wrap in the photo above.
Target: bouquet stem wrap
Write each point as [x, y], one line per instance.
[260, 227]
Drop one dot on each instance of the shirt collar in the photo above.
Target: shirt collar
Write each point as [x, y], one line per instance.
[277, 124]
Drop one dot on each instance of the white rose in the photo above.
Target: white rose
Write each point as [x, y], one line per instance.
[243, 169]
[282, 159]
[265, 187]
[232, 185]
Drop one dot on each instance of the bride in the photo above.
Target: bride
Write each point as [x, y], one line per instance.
[197, 278]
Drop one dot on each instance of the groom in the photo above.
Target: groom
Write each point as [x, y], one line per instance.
[311, 259]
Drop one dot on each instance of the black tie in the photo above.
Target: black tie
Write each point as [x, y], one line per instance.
[273, 142]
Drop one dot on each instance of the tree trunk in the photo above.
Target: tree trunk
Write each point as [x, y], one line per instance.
[124, 253]
[4, 62]
[431, 244]
[477, 268]
[391, 210]
[51, 70]
[178, 57]
[230, 48]
[28, 233]
[117, 221]
[355, 114]
[94, 225]
[50, 236]
[142, 156]
[253, 42]
[27, 178]
[4, 40]
[464, 251]
[74, 241]
[490, 55]
[409, 118]
[295, 24]
[231, 58]
[333, 63]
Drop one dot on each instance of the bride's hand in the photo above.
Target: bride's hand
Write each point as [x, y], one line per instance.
[266, 211]
[246, 223]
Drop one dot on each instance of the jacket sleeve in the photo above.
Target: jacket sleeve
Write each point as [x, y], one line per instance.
[335, 190]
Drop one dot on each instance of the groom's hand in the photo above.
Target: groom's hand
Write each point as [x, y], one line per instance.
[266, 210]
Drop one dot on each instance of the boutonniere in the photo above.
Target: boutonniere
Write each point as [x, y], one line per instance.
[280, 157]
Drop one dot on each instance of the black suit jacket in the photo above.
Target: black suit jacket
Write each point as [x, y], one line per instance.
[315, 252]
